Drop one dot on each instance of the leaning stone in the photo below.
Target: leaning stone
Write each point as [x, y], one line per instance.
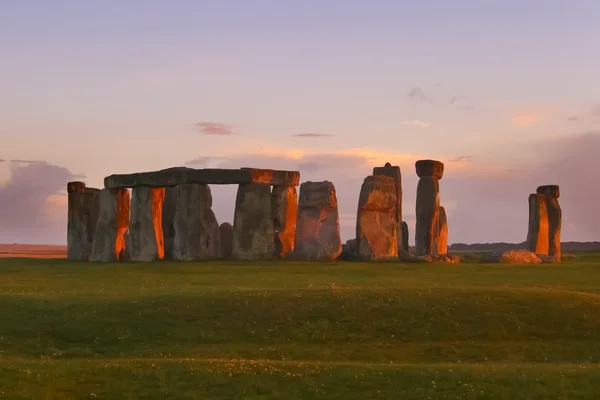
[554, 226]
[427, 212]
[182, 175]
[226, 235]
[394, 173]
[538, 231]
[376, 225]
[82, 217]
[318, 223]
[404, 230]
[112, 225]
[426, 168]
[443, 229]
[284, 210]
[168, 221]
[253, 224]
[197, 234]
[145, 227]
[549, 190]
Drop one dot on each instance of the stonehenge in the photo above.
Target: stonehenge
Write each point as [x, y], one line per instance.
[428, 206]
[112, 225]
[82, 216]
[545, 220]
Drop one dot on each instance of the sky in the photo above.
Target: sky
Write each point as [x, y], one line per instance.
[504, 92]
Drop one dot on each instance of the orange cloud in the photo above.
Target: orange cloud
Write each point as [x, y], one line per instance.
[526, 119]
[416, 122]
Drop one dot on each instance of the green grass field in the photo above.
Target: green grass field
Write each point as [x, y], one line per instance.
[296, 330]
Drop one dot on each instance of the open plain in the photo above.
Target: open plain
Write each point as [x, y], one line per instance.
[296, 330]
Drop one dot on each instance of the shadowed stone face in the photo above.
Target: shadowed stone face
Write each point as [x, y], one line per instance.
[554, 226]
[443, 228]
[168, 221]
[376, 226]
[82, 217]
[226, 236]
[426, 168]
[196, 230]
[145, 227]
[537, 234]
[284, 204]
[404, 229]
[76, 186]
[549, 190]
[318, 224]
[427, 212]
[253, 234]
[112, 225]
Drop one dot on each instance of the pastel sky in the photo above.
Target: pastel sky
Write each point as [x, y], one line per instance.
[505, 92]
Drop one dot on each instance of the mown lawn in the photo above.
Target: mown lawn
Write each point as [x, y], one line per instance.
[293, 330]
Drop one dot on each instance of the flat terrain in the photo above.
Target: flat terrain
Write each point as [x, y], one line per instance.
[299, 331]
[32, 251]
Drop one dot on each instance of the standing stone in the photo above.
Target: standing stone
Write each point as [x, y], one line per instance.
[404, 230]
[318, 223]
[145, 227]
[226, 236]
[394, 173]
[443, 229]
[112, 225]
[376, 225]
[168, 221]
[537, 234]
[83, 209]
[428, 206]
[197, 235]
[253, 234]
[284, 210]
[551, 194]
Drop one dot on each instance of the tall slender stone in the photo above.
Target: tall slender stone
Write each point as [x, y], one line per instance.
[253, 233]
[537, 233]
[428, 206]
[376, 224]
[196, 230]
[145, 227]
[318, 223]
[443, 229]
[168, 221]
[284, 210]
[112, 225]
[393, 172]
[82, 217]
[554, 227]
[404, 230]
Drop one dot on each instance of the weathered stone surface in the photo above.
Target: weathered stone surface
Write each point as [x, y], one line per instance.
[549, 190]
[284, 210]
[226, 235]
[443, 229]
[404, 230]
[426, 168]
[182, 175]
[538, 231]
[445, 258]
[427, 212]
[168, 221]
[394, 173]
[318, 223]
[197, 235]
[145, 226]
[349, 251]
[112, 225]
[76, 186]
[253, 233]
[554, 226]
[518, 256]
[376, 225]
[418, 259]
[82, 217]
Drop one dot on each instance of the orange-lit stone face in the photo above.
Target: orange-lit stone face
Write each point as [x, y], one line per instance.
[122, 219]
[538, 234]
[158, 196]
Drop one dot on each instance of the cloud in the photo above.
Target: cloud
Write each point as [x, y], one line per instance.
[215, 128]
[416, 122]
[33, 210]
[2, 160]
[461, 159]
[526, 119]
[27, 161]
[418, 94]
[460, 102]
[203, 161]
[573, 118]
[312, 135]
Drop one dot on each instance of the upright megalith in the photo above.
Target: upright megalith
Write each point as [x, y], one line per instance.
[82, 216]
[404, 230]
[545, 220]
[318, 223]
[196, 230]
[146, 242]
[428, 206]
[376, 224]
[253, 233]
[168, 221]
[226, 237]
[112, 225]
[443, 232]
[393, 172]
[284, 210]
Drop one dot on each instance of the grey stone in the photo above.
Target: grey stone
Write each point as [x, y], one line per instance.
[197, 234]
[427, 212]
[284, 210]
[554, 226]
[394, 173]
[112, 225]
[82, 217]
[76, 186]
[318, 223]
[182, 175]
[145, 226]
[226, 235]
[253, 233]
[168, 221]
[404, 239]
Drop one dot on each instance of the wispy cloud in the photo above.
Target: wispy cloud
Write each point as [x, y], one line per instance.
[460, 102]
[215, 128]
[573, 118]
[461, 159]
[418, 94]
[416, 122]
[526, 119]
[312, 135]
[28, 162]
[203, 161]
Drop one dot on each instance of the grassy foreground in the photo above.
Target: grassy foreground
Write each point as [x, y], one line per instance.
[299, 331]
